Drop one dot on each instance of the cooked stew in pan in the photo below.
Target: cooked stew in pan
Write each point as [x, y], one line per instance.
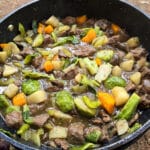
[73, 83]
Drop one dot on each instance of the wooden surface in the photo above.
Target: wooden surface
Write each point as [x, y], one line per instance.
[6, 6]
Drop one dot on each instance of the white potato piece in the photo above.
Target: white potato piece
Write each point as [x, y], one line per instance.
[120, 94]
[127, 65]
[116, 71]
[52, 21]
[136, 78]
[11, 90]
[122, 126]
[9, 70]
[3, 57]
[58, 132]
[37, 97]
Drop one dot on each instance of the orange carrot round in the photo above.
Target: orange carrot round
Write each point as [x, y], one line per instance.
[48, 66]
[89, 36]
[107, 101]
[19, 99]
[98, 61]
[115, 28]
[81, 19]
[48, 29]
[2, 45]
[41, 28]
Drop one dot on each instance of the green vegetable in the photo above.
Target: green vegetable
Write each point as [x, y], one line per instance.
[113, 81]
[6, 82]
[103, 72]
[30, 86]
[59, 115]
[36, 75]
[64, 40]
[93, 136]
[12, 108]
[4, 103]
[54, 37]
[23, 129]
[39, 39]
[29, 58]
[78, 89]
[83, 108]
[135, 127]
[6, 132]
[91, 103]
[83, 147]
[90, 65]
[64, 101]
[26, 114]
[105, 55]
[34, 26]
[21, 29]
[9, 70]
[98, 31]
[129, 108]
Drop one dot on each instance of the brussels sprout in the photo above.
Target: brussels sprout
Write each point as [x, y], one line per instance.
[39, 39]
[3, 101]
[113, 81]
[64, 100]
[105, 55]
[30, 86]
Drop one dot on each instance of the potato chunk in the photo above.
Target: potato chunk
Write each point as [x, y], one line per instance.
[136, 78]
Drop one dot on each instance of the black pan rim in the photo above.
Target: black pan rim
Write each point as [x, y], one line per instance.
[114, 145]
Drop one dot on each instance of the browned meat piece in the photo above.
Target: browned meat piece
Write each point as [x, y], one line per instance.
[4, 145]
[105, 135]
[134, 119]
[130, 87]
[75, 133]
[97, 121]
[90, 22]
[122, 46]
[83, 50]
[103, 24]
[47, 40]
[36, 108]
[146, 85]
[17, 57]
[105, 117]
[145, 101]
[71, 74]
[37, 61]
[138, 52]
[145, 72]
[58, 74]
[62, 143]
[26, 51]
[39, 120]
[14, 119]
[69, 20]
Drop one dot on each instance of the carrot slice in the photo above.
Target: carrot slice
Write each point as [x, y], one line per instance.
[48, 66]
[81, 19]
[48, 29]
[2, 45]
[98, 61]
[89, 36]
[115, 28]
[19, 99]
[41, 28]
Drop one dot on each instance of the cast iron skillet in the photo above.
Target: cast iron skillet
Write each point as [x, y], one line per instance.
[126, 15]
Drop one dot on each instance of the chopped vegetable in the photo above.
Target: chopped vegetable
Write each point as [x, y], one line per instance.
[93, 136]
[12, 108]
[6, 132]
[98, 61]
[52, 21]
[38, 40]
[37, 97]
[135, 127]
[19, 99]
[48, 29]
[100, 41]
[107, 101]
[59, 115]
[113, 81]
[127, 65]
[34, 26]
[91, 103]
[83, 147]
[11, 90]
[9, 70]
[116, 71]
[26, 114]
[23, 129]
[130, 107]
[115, 28]
[21, 29]
[83, 108]
[78, 89]
[64, 101]
[90, 36]
[105, 55]
[136, 78]
[41, 28]
[6, 82]
[3, 56]
[103, 72]
[30, 86]
[29, 58]
[81, 19]
[122, 126]
[120, 94]
[133, 42]
[48, 66]
[4, 103]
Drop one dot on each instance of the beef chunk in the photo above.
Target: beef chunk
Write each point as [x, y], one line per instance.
[146, 85]
[39, 120]
[145, 72]
[97, 121]
[14, 119]
[47, 40]
[145, 101]
[130, 87]
[69, 20]
[75, 133]
[134, 119]
[103, 24]
[4, 145]
[37, 61]
[105, 135]
[105, 117]
[138, 52]
[83, 50]
[62, 143]
[26, 51]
